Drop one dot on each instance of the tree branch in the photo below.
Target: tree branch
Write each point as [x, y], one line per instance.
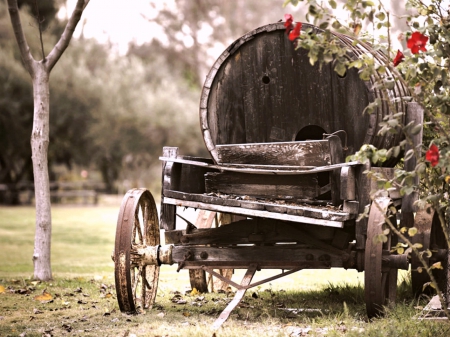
[27, 58]
[39, 21]
[66, 36]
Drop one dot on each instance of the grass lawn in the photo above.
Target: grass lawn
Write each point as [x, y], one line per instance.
[82, 298]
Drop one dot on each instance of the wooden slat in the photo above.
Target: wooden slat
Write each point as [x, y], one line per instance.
[277, 187]
[348, 183]
[317, 212]
[307, 153]
[270, 170]
[264, 256]
[255, 213]
[170, 178]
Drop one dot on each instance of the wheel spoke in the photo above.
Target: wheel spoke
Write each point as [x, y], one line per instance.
[138, 226]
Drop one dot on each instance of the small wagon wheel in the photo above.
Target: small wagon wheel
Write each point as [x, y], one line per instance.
[137, 227]
[380, 285]
[430, 235]
[198, 278]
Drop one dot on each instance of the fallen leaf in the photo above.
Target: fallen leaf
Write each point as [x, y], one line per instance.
[45, 296]
[194, 292]
[2, 289]
[64, 303]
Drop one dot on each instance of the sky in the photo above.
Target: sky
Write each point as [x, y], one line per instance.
[122, 21]
[119, 22]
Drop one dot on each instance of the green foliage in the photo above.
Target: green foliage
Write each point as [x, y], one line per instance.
[108, 113]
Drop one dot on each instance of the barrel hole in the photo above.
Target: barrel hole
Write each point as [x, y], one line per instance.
[310, 132]
[265, 79]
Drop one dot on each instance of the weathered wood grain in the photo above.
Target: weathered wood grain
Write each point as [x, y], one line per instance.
[264, 169]
[277, 187]
[263, 89]
[265, 257]
[318, 212]
[308, 153]
[338, 218]
[348, 183]
[170, 179]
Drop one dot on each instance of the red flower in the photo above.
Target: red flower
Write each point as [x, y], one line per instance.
[295, 33]
[417, 42]
[398, 58]
[288, 24]
[432, 155]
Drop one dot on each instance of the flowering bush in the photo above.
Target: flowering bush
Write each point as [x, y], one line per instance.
[424, 66]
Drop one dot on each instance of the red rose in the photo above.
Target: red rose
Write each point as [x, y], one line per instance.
[417, 42]
[432, 155]
[295, 33]
[398, 58]
[288, 24]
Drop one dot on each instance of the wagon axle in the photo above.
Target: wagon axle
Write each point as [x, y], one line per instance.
[195, 258]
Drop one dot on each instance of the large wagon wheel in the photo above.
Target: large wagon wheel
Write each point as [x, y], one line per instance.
[431, 236]
[137, 227]
[380, 285]
[198, 278]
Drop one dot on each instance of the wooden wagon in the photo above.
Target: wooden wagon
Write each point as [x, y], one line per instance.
[277, 192]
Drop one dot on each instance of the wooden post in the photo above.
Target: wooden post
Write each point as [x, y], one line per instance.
[414, 114]
[168, 212]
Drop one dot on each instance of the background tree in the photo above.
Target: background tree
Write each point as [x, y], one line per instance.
[40, 74]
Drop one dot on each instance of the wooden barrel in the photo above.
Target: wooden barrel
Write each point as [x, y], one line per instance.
[262, 90]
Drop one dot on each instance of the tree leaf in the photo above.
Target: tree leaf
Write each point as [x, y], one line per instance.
[437, 265]
[45, 296]
[412, 231]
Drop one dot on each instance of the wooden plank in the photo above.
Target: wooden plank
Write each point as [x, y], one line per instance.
[269, 231]
[264, 256]
[363, 197]
[169, 180]
[337, 157]
[318, 212]
[277, 187]
[203, 198]
[414, 114]
[254, 213]
[306, 153]
[271, 169]
[192, 177]
[348, 183]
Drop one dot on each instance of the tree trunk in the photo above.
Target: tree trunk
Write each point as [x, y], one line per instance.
[40, 73]
[39, 150]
